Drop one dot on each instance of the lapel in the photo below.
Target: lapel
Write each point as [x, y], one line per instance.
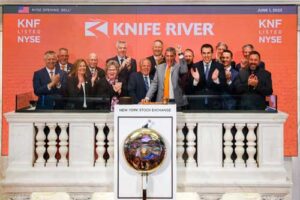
[46, 75]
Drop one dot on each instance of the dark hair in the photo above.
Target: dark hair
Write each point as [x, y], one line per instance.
[207, 46]
[255, 53]
[228, 51]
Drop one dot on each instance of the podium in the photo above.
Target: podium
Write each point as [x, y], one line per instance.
[161, 183]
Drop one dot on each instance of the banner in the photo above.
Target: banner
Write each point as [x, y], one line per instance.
[29, 31]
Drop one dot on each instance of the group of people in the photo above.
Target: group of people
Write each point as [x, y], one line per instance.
[215, 82]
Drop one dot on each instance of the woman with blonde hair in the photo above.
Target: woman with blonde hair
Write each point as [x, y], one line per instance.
[111, 86]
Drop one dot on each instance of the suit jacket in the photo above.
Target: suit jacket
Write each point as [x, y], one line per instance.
[48, 99]
[136, 87]
[104, 89]
[69, 67]
[208, 87]
[158, 82]
[153, 65]
[75, 94]
[100, 73]
[254, 98]
[125, 73]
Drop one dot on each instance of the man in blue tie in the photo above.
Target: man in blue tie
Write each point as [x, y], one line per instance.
[208, 80]
[49, 84]
[139, 82]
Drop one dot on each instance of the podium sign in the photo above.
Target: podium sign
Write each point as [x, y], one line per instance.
[128, 182]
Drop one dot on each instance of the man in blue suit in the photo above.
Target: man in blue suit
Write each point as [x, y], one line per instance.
[139, 82]
[49, 84]
[229, 101]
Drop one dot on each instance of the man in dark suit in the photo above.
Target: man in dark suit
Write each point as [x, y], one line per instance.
[93, 68]
[63, 60]
[246, 49]
[127, 64]
[208, 80]
[49, 84]
[157, 58]
[253, 84]
[139, 82]
[229, 101]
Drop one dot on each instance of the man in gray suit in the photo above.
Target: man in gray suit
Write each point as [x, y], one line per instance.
[161, 80]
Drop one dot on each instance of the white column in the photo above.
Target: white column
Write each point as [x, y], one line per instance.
[63, 145]
[270, 145]
[228, 149]
[110, 149]
[191, 149]
[21, 144]
[81, 144]
[210, 145]
[239, 146]
[180, 145]
[251, 143]
[40, 145]
[52, 148]
[100, 145]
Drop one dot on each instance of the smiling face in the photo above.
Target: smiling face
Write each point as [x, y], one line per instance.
[226, 59]
[50, 60]
[93, 60]
[170, 58]
[121, 49]
[254, 61]
[111, 72]
[145, 67]
[81, 68]
[157, 48]
[63, 57]
[206, 53]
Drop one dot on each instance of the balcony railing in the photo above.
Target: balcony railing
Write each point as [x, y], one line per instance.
[216, 153]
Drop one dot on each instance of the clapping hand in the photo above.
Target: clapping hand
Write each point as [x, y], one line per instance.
[215, 75]
[195, 74]
[253, 80]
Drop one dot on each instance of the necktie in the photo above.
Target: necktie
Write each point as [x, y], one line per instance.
[121, 61]
[63, 67]
[146, 82]
[206, 70]
[167, 83]
[51, 74]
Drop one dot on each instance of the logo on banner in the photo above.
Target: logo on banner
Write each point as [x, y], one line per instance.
[23, 9]
[92, 29]
[29, 31]
[269, 31]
